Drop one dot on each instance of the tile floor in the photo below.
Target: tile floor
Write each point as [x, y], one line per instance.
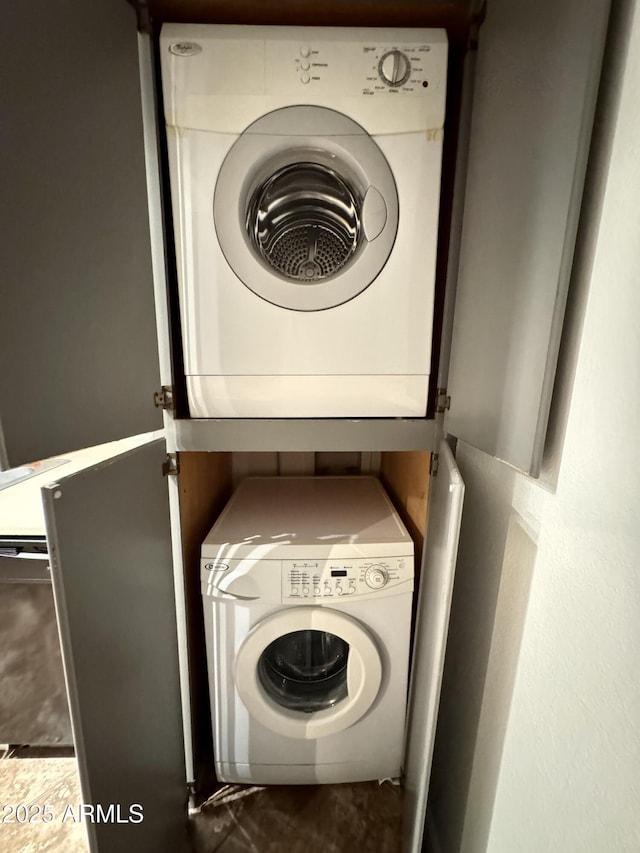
[362, 818]
[36, 782]
[366, 817]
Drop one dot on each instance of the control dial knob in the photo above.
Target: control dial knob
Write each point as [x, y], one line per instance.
[376, 577]
[394, 68]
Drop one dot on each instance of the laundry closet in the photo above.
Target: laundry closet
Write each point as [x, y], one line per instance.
[105, 265]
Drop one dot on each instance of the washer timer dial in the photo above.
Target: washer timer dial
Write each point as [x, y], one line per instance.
[394, 68]
[376, 577]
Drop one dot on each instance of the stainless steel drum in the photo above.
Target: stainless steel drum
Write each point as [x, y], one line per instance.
[304, 220]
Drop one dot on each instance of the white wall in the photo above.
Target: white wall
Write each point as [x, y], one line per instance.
[538, 745]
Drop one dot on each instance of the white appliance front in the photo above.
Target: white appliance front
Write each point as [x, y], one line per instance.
[300, 693]
[305, 216]
[308, 655]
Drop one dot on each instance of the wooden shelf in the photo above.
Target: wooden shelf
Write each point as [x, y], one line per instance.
[455, 15]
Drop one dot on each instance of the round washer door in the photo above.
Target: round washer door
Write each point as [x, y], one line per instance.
[308, 672]
[306, 208]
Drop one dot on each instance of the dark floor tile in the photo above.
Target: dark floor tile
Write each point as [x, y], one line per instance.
[359, 818]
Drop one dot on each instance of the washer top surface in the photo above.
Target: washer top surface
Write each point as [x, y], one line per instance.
[270, 516]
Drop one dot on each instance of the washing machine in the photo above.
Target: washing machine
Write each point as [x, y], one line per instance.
[307, 586]
[304, 170]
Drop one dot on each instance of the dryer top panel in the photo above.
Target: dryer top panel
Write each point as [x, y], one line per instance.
[222, 78]
[270, 516]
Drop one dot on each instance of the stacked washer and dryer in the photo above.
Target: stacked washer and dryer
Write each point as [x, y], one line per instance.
[305, 181]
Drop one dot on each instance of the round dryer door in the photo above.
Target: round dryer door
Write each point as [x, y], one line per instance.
[306, 208]
[308, 672]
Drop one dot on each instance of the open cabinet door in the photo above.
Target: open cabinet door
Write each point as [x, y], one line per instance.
[109, 540]
[536, 83]
[78, 343]
[434, 602]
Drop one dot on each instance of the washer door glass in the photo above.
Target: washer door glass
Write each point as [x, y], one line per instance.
[305, 670]
[308, 672]
[305, 208]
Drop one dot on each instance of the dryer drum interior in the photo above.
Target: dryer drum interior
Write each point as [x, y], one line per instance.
[305, 670]
[317, 208]
[304, 221]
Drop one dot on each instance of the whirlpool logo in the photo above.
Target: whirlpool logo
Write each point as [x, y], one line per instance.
[216, 567]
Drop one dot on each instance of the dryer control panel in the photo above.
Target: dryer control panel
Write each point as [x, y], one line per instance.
[375, 66]
[331, 580]
[222, 78]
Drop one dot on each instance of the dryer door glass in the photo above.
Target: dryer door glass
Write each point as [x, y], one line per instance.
[305, 208]
[305, 670]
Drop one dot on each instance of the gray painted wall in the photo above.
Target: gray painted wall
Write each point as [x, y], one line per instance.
[78, 350]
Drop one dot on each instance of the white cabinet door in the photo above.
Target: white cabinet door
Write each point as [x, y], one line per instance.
[108, 533]
[77, 343]
[432, 621]
[537, 76]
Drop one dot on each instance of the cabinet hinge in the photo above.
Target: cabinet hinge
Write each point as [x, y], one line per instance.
[171, 466]
[433, 464]
[443, 400]
[163, 399]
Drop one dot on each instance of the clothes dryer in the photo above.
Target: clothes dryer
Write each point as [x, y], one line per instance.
[305, 183]
[307, 587]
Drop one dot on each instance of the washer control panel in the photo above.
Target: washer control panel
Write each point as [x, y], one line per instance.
[331, 580]
[376, 576]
